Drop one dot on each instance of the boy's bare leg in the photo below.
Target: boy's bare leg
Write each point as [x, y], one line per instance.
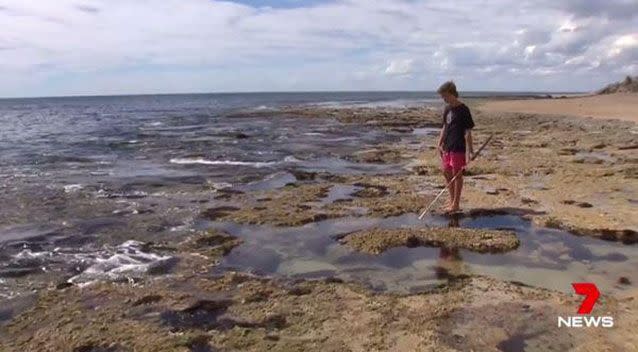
[458, 187]
[449, 174]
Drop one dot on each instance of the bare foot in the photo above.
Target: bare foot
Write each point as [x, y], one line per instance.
[450, 209]
[449, 204]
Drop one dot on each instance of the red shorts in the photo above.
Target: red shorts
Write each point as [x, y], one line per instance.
[453, 161]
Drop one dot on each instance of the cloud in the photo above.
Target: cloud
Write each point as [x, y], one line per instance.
[95, 46]
[400, 67]
[613, 9]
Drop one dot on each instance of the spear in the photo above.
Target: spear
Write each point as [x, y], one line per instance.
[474, 156]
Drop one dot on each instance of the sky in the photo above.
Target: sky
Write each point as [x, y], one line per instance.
[105, 47]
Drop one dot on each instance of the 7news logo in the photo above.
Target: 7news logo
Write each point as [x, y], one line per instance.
[591, 293]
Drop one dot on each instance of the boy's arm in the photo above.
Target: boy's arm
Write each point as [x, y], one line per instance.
[439, 145]
[440, 142]
[469, 124]
[469, 143]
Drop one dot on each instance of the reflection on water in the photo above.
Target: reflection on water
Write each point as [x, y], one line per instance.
[546, 258]
[450, 262]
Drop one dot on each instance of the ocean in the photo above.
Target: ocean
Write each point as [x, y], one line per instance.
[75, 140]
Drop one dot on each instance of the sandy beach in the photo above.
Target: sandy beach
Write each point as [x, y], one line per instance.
[621, 106]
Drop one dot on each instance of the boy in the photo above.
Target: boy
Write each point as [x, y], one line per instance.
[455, 142]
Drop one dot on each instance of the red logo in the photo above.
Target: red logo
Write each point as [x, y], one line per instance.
[585, 320]
[591, 293]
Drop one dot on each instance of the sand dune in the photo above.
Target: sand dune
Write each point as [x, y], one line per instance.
[621, 106]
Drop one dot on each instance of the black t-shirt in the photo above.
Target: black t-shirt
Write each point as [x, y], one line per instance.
[456, 120]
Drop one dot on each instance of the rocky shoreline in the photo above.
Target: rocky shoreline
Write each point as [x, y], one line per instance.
[580, 175]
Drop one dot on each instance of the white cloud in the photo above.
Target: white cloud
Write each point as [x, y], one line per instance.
[400, 67]
[96, 46]
[627, 41]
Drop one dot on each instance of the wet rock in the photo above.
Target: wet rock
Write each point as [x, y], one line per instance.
[157, 247]
[626, 236]
[552, 223]
[378, 156]
[333, 280]
[63, 285]
[370, 191]
[211, 243]
[588, 160]
[317, 217]
[271, 337]
[300, 291]
[343, 200]
[402, 129]
[62, 321]
[326, 176]
[624, 281]
[226, 193]
[162, 267]
[615, 257]
[200, 315]
[578, 204]
[399, 199]
[480, 169]
[17, 272]
[275, 321]
[212, 314]
[412, 242]
[304, 175]
[478, 212]
[568, 151]
[630, 172]
[218, 212]
[289, 206]
[256, 296]
[150, 299]
[424, 170]
[378, 240]
[97, 348]
[196, 342]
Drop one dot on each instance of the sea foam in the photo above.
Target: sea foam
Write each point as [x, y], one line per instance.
[128, 262]
[257, 164]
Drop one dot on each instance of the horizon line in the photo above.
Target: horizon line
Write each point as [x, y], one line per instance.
[530, 92]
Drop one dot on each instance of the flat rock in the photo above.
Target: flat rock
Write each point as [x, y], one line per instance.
[378, 240]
